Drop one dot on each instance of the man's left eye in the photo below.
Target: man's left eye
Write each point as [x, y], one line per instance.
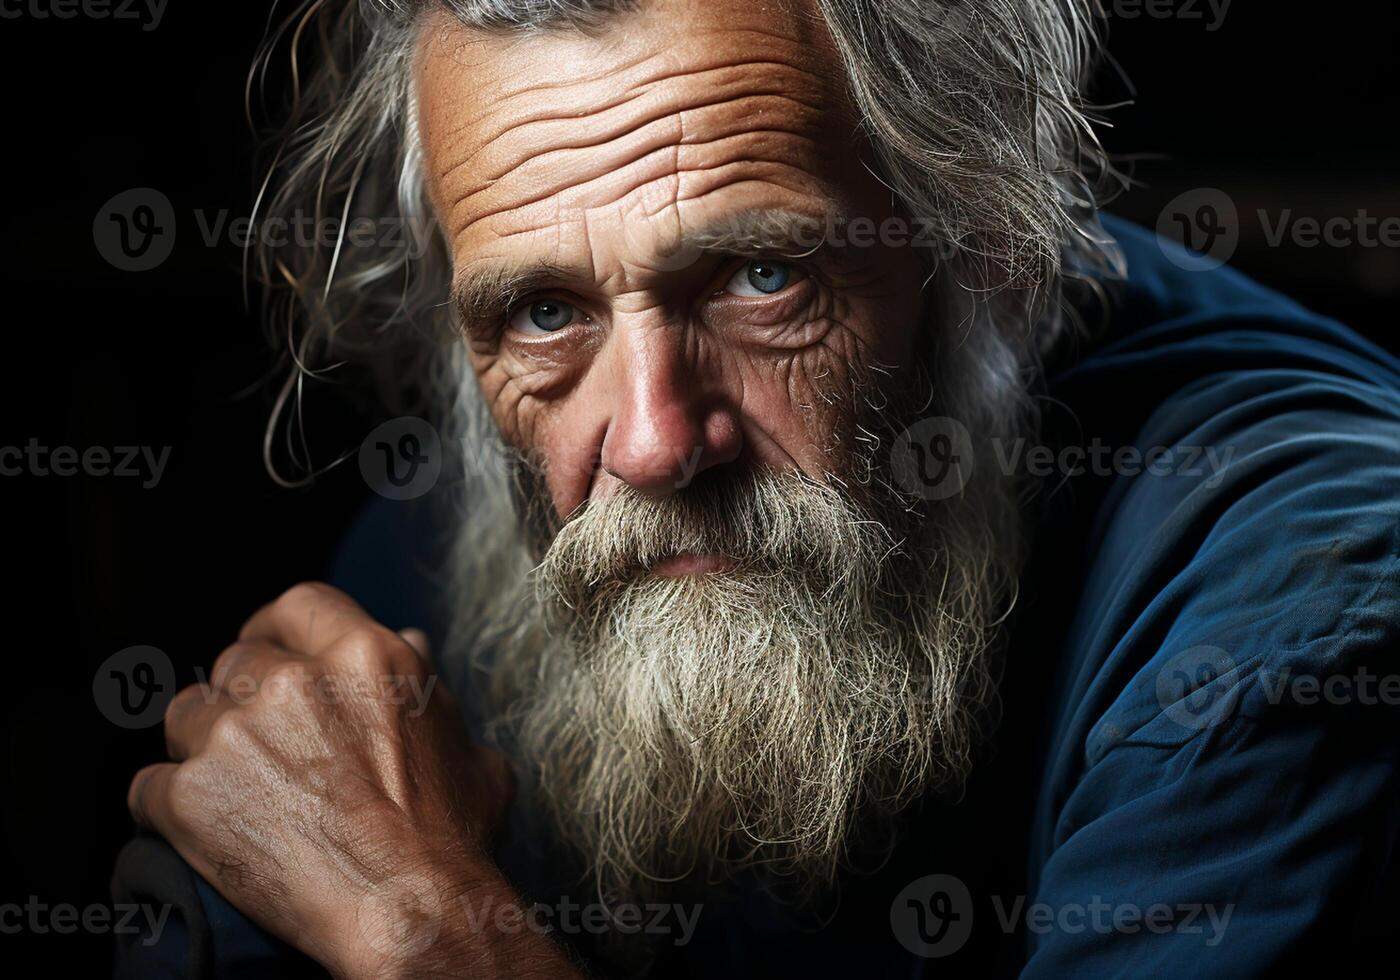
[762, 278]
[543, 317]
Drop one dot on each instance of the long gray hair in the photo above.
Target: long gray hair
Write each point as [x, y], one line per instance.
[973, 108]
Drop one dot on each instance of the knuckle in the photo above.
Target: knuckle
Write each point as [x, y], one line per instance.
[286, 682]
[187, 789]
[181, 704]
[306, 592]
[229, 660]
[227, 733]
[371, 651]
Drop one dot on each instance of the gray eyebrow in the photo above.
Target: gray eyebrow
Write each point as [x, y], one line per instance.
[485, 290]
[772, 232]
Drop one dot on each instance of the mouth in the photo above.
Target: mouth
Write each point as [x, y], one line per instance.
[691, 563]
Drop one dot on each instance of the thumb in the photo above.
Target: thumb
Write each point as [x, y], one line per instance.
[417, 639]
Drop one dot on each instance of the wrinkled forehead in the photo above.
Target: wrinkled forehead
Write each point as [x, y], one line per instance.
[672, 118]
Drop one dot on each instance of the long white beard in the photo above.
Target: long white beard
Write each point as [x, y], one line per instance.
[680, 732]
[695, 727]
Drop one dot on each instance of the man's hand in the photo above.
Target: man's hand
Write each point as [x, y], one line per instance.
[324, 784]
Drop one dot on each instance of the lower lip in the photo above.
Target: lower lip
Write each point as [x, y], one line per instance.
[692, 564]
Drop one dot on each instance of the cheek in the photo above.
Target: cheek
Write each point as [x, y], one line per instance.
[516, 414]
[557, 433]
[797, 407]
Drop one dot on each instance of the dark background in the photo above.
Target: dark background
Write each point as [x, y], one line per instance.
[1278, 110]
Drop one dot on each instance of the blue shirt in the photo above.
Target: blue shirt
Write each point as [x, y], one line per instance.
[1195, 770]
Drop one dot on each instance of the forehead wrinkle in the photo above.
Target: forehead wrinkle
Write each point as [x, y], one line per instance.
[546, 134]
[546, 170]
[548, 101]
[639, 72]
[686, 184]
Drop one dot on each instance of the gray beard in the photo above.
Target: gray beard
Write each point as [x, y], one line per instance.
[765, 723]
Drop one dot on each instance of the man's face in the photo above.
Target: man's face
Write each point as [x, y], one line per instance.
[623, 212]
[700, 378]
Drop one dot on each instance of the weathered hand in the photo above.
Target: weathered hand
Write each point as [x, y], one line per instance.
[323, 782]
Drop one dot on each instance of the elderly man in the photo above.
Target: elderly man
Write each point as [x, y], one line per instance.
[814, 427]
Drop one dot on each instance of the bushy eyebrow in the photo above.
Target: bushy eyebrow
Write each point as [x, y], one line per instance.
[764, 232]
[485, 290]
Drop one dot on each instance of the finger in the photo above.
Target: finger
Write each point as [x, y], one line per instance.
[417, 639]
[241, 669]
[148, 800]
[189, 717]
[307, 619]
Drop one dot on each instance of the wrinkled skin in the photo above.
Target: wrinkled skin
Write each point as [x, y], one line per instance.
[599, 163]
[601, 158]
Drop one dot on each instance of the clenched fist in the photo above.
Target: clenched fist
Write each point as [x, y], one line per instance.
[324, 784]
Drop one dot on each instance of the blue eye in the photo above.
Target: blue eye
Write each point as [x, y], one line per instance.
[761, 278]
[543, 316]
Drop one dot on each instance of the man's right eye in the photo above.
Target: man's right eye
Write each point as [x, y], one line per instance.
[542, 317]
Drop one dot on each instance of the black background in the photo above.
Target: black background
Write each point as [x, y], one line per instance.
[1280, 110]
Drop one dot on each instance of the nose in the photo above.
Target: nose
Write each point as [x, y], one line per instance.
[669, 423]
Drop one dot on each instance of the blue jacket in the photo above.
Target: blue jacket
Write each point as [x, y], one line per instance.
[1197, 769]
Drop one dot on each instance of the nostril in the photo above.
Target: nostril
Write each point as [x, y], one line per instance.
[724, 437]
[652, 468]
